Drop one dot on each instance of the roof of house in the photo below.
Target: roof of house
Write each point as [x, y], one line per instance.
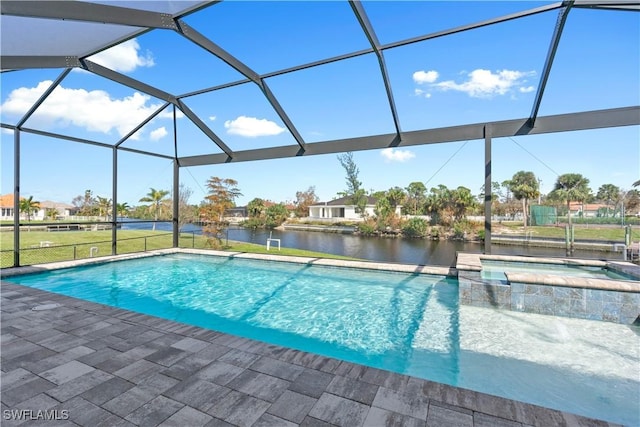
[345, 201]
[6, 200]
[48, 204]
[589, 206]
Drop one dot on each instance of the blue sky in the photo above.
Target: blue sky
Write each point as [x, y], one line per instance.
[486, 74]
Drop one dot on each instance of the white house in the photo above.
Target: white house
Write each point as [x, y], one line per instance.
[63, 210]
[341, 209]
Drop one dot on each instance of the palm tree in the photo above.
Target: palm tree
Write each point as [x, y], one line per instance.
[416, 196]
[122, 209]
[571, 187]
[524, 186]
[28, 206]
[608, 193]
[155, 198]
[104, 205]
[255, 208]
[396, 196]
[462, 200]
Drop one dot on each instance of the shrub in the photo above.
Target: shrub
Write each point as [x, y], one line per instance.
[435, 233]
[367, 228]
[459, 230]
[253, 223]
[415, 227]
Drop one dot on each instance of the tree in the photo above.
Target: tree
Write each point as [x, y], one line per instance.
[437, 205]
[275, 215]
[632, 200]
[186, 212]
[85, 203]
[122, 209]
[354, 191]
[505, 184]
[497, 198]
[104, 205]
[524, 186]
[52, 213]
[222, 195]
[155, 198]
[28, 206]
[496, 192]
[385, 213]
[608, 193]
[571, 187]
[461, 201]
[396, 196]
[304, 199]
[255, 208]
[415, 197]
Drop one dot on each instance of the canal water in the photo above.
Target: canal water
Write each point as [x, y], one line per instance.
[383, 249]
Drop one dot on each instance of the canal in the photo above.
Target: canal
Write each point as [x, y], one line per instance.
[383, 249]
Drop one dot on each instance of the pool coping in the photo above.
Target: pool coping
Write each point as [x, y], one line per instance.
[74, 335]
[326, 262]
[473, 262]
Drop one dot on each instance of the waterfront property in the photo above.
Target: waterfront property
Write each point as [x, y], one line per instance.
[156, 119]
[343, 209]
[406, 321]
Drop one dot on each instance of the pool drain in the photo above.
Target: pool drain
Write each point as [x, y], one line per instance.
[43, 307]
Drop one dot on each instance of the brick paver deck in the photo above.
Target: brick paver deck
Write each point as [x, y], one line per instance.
[102, 366]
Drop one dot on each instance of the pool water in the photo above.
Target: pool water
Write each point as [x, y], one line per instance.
[494, 270]
[407, 323]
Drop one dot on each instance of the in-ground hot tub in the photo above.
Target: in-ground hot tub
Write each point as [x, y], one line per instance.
[587, 289]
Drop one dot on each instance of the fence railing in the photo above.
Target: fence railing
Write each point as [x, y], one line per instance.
[48, 252]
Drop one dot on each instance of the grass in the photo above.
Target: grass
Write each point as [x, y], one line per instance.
[70, 245]
[591, 232]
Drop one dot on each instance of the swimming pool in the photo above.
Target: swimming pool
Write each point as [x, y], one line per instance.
[408, 323]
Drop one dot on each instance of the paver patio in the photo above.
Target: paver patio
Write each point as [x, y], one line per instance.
[94, 365]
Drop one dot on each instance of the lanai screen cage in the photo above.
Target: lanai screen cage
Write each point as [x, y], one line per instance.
[254, 62]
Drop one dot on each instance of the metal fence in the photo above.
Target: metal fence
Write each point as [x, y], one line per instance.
[48, 252]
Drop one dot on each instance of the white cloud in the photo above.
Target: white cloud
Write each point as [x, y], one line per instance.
[527, 89]
[92, 110]
[212, 118]
[421, 77]
[486, 84]
[167, 113]
[157, 134]
[397, 155]
[123, 57]
[252, 127]
[420, 92]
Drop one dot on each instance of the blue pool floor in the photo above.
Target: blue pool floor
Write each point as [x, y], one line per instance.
[90, 364]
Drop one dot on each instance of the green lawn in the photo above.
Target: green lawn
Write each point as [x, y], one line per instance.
[70, 245]
[591, 232]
